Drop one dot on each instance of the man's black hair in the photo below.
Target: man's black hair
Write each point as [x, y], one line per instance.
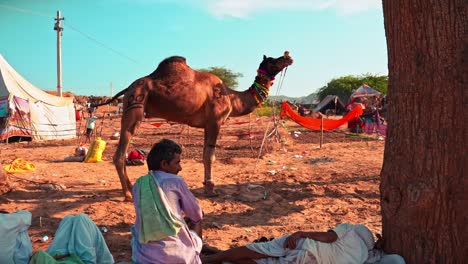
[163, 150]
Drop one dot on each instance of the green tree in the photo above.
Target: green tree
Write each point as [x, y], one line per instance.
[379, 83]
[228, 77]
[343, 87]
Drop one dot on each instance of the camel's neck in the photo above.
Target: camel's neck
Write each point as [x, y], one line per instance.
[259, 92]
[245, 102]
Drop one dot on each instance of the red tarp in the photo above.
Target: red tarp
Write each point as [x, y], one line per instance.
[314, 123]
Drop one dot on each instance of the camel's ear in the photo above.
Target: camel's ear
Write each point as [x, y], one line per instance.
[264, 57]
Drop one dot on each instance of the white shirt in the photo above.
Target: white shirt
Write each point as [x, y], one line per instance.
[349, 248]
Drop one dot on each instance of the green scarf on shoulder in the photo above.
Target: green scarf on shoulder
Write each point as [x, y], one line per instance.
[157, 221]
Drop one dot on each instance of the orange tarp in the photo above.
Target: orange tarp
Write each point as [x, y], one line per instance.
[314, 123]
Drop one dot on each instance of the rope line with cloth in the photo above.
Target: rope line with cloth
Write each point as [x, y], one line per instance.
[314, 123]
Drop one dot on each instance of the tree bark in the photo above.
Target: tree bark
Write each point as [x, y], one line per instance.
[423, 186]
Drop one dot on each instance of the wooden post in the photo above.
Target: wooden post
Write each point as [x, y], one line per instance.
[6, 127]
[321, 130]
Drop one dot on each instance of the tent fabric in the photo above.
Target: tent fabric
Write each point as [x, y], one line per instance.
[314, 123]
[26, 110]
[330, 102]
[364, 91]
[11, 82]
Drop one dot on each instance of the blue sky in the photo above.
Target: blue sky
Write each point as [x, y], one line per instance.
[119, 41]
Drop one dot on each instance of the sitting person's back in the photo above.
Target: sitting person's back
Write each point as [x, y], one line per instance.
[77, 240]
[164, 189]
[15, 245]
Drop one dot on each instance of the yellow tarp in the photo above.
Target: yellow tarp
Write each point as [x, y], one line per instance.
[95, 151]
[19, 165]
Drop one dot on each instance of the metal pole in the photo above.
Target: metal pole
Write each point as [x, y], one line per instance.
[59, 29]
[111, 90]
[321, 130]
[111, 94]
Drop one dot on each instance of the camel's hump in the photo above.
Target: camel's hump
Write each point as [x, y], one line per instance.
[170, 66]
[173, 59]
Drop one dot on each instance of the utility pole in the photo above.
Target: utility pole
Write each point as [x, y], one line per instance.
[111, 94]
[111, 90]
[58, 27]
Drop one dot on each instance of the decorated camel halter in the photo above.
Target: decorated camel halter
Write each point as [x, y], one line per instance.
[270, 76]
[260, 92]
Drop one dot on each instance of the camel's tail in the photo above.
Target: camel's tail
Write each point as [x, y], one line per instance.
[112, 99]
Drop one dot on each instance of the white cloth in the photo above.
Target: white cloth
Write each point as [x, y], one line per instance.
[91, 122]
[199, 242]
[15, 245]
[347, 249]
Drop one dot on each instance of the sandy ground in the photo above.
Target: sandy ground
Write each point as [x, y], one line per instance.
[266, 188]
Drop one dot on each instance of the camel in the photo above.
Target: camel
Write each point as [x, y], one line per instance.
[180, 94]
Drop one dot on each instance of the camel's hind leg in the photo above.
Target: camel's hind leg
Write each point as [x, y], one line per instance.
[131, 120]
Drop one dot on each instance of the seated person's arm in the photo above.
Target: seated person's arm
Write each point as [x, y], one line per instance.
[197, 227]
[326, 237]
[191, 209]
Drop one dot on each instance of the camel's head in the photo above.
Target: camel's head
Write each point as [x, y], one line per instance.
[271, 66]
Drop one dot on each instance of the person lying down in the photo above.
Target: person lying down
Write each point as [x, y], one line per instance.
[346, 243]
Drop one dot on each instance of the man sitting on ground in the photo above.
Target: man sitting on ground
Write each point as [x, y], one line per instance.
[346, 243]
[161, 199]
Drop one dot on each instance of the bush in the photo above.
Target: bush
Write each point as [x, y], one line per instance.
[265, 111]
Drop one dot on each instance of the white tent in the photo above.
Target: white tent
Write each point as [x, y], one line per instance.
[28, 111]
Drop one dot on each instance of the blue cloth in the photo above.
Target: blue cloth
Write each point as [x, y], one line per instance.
[79, 235]
[15, 245]
[391, 259]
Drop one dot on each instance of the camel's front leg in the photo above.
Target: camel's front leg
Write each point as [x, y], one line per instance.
[211, 135]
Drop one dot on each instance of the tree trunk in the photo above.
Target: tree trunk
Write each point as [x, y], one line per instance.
[424, 197]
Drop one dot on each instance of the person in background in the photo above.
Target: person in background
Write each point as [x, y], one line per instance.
[90, 126]
[162, 199]
[301, 110]
[91, 109]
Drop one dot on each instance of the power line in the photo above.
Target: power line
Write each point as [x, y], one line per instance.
[26, 11]
[100, 43]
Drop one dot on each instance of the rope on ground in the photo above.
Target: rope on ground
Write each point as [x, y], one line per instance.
[26, 180]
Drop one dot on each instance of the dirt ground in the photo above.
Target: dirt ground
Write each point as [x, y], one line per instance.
[267, 188]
